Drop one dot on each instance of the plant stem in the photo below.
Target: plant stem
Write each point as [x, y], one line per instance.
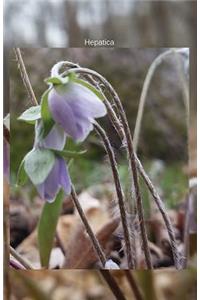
[24, 76]
[131, 157]
[161, 207]
[134, 285]
[157, 61]
[94, 240]
[20, 259]
[119, 192]
[155, 195]
[117, 125]
[112, 284]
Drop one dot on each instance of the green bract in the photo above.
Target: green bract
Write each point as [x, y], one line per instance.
[46, 114]
[38, 163]
[31, 114]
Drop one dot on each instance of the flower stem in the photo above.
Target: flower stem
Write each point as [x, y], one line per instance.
[24, 76]
[131, 157]
[94, 240]
[20, 259]
[161, 207]
[119, 192]
[158, 60]
[117, 125]
[112, 284]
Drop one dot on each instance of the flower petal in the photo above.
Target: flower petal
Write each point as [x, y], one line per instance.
[64, 179]
[57, 178]
[84, 128]
[62, 113]
[56, 139]
[83, 100]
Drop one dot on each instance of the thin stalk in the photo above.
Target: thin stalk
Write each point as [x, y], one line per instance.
[119, 192]
[158, 60]
[154, 193]
[186, 230]
[24, 76]
[94, 240]
[20, 259]
[156, 197]
[131, 157]
[134, 285]
[161, 207]
[112, 284]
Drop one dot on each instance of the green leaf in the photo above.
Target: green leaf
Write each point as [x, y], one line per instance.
[31, 114]
[47, 228]
[69, 154]
[88, 85]
[21, 174]
[46, 114]
[38, 164]
[57, 80]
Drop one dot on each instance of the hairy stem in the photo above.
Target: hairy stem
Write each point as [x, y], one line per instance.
[117, 125]
[119, 192]
[112, 284]
[94, 240]
[161, 207]
[24, 76]
[157, 61]
[131, 156]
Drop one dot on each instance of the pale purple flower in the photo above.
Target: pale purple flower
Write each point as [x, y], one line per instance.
[57, 178]
[56, 138]
[74, 107]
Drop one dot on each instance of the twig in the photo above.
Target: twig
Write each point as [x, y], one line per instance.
[20, 259]
[95, 242]
[112, 284]
[119, 192]
[134, 285]
[24, 76]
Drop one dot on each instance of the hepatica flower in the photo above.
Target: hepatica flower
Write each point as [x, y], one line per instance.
[46, 168]
[74, 107]
[57, 175]
[58, 178]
